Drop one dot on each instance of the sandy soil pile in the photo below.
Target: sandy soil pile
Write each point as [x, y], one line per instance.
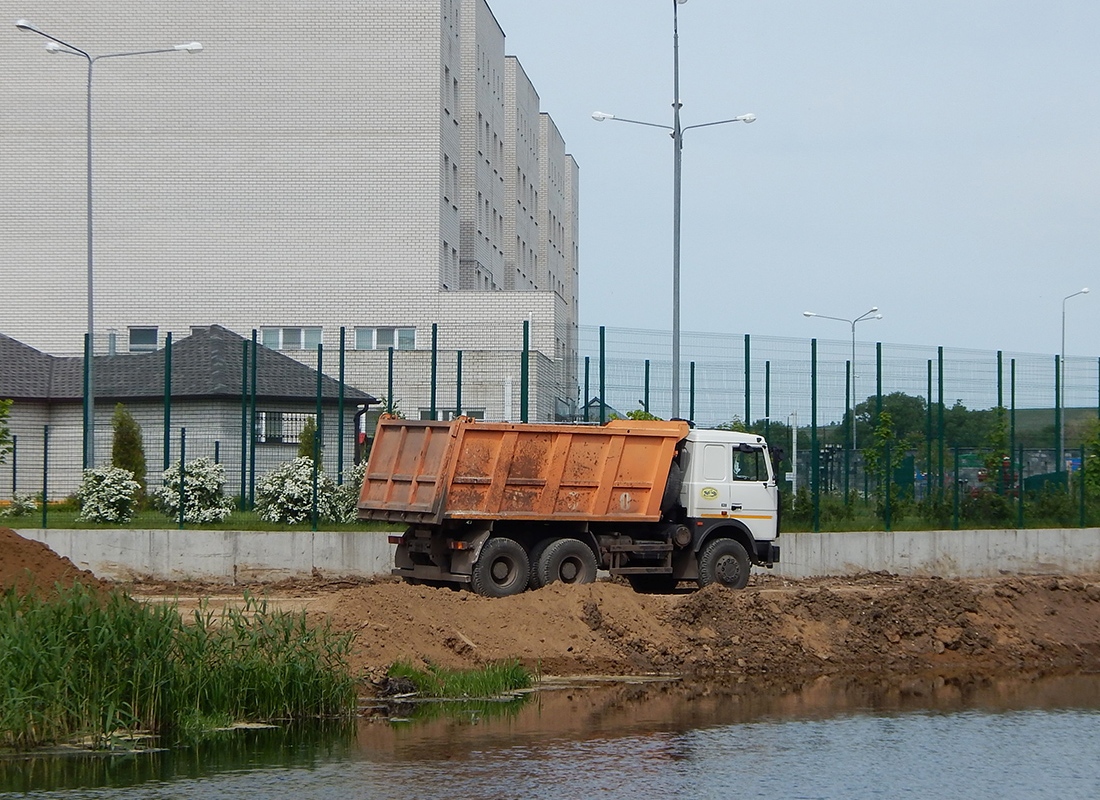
[775, 629]
[873, 624]
[25, 563]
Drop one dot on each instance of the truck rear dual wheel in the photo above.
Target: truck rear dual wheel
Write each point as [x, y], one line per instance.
[726, 562]
[568, 561]
[501, 569]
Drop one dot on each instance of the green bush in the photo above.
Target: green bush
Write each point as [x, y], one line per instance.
[107, 494]
[127, 446]
[204, 487]
[286, 493]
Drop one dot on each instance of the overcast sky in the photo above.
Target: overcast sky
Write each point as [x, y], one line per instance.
[940, 160]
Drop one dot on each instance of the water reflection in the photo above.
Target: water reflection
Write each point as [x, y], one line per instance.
[626, 740]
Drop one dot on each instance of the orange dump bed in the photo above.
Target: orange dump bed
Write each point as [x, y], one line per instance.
[425, 472]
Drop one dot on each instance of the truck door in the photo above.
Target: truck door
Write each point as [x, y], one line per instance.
[752, 491]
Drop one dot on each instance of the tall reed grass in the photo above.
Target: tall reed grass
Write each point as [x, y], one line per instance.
[489, 681]
[81, 663]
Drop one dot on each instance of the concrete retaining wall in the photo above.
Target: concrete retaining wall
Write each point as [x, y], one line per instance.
[247, 556]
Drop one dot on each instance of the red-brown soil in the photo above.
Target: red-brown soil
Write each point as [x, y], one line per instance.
[775, 630]
[25, 563]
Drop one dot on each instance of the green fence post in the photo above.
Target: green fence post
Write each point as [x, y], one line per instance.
[587, 395]
[252, 423]
[318, 432]
[244, 424]
[167, 400]
[955, 493]
[458, 383]
[1081, 480]
[691, 392]
[45, 473]
[1059, 454]
[525, 373]
[767, 401]
[89, 423]
[1000, 380]
[14, 463]
[850, 421]
[340, 415]
[389, 381]
[748, 384]
[1020, 491]
[183, 476]
[942, 443]
[645, 388]
[432, 414]
[886, 499]
[1012, 401]
[603, 375]
[928, 439]
[815, 456]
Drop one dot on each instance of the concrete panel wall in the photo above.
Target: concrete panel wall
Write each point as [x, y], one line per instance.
[249, 556]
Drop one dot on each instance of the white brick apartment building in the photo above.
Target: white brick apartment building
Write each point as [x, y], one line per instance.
[370, 165]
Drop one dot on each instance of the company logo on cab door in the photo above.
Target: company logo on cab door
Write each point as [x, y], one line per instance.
[709, 493]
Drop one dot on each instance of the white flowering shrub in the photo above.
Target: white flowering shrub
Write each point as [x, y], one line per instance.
[203, 489]
[20, 506]
[106, 494]
[347, 494]
[286, 493]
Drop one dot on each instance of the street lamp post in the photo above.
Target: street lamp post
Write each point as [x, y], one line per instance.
[677, 133]
[872, 314]
[56, 45]
[1062, 387]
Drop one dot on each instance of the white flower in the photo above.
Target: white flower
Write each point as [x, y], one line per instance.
[107, 494]
[203, 488]
[286, 493]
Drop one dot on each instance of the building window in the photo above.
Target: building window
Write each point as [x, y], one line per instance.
[142, 340]
[385, 338]
[279, 427]
[291, 338]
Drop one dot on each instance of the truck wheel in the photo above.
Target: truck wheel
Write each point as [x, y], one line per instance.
[536, 556]
[501, 569]
[568, 561]
[724, 561]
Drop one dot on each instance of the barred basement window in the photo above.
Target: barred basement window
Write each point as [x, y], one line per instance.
[274, 427]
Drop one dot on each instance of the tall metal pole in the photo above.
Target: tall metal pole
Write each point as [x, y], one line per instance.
[1062, 386]
[678, 146]
[60, 46]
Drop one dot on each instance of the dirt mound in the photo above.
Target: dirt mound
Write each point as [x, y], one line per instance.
[25, 563]
[773, 629]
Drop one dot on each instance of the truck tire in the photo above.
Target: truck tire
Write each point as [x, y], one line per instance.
[568, 561]
[536, 555]
[502, 568]
[724, 561]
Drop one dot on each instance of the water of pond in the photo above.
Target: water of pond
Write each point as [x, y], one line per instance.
[922, 738]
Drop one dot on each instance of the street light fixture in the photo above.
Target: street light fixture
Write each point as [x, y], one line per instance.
[56, 45]
[677, 133]
[872, 314]
[1062, 387]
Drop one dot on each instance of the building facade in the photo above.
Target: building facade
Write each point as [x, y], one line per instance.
[377, 172]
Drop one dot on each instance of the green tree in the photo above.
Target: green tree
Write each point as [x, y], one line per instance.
[127, 446]
[1092, 458]
[306, 439]
[5, 433]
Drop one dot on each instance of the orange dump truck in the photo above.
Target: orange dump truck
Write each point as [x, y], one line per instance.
[500, 507]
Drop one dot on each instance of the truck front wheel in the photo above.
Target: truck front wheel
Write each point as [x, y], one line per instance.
[501, 569]
[568, 561]
[724, 561]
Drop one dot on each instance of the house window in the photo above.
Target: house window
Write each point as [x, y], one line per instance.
[276, 427]
[385, 338]
[142, 340]
[291, 338]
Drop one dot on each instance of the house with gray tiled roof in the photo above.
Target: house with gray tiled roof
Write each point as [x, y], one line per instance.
[208, 398]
